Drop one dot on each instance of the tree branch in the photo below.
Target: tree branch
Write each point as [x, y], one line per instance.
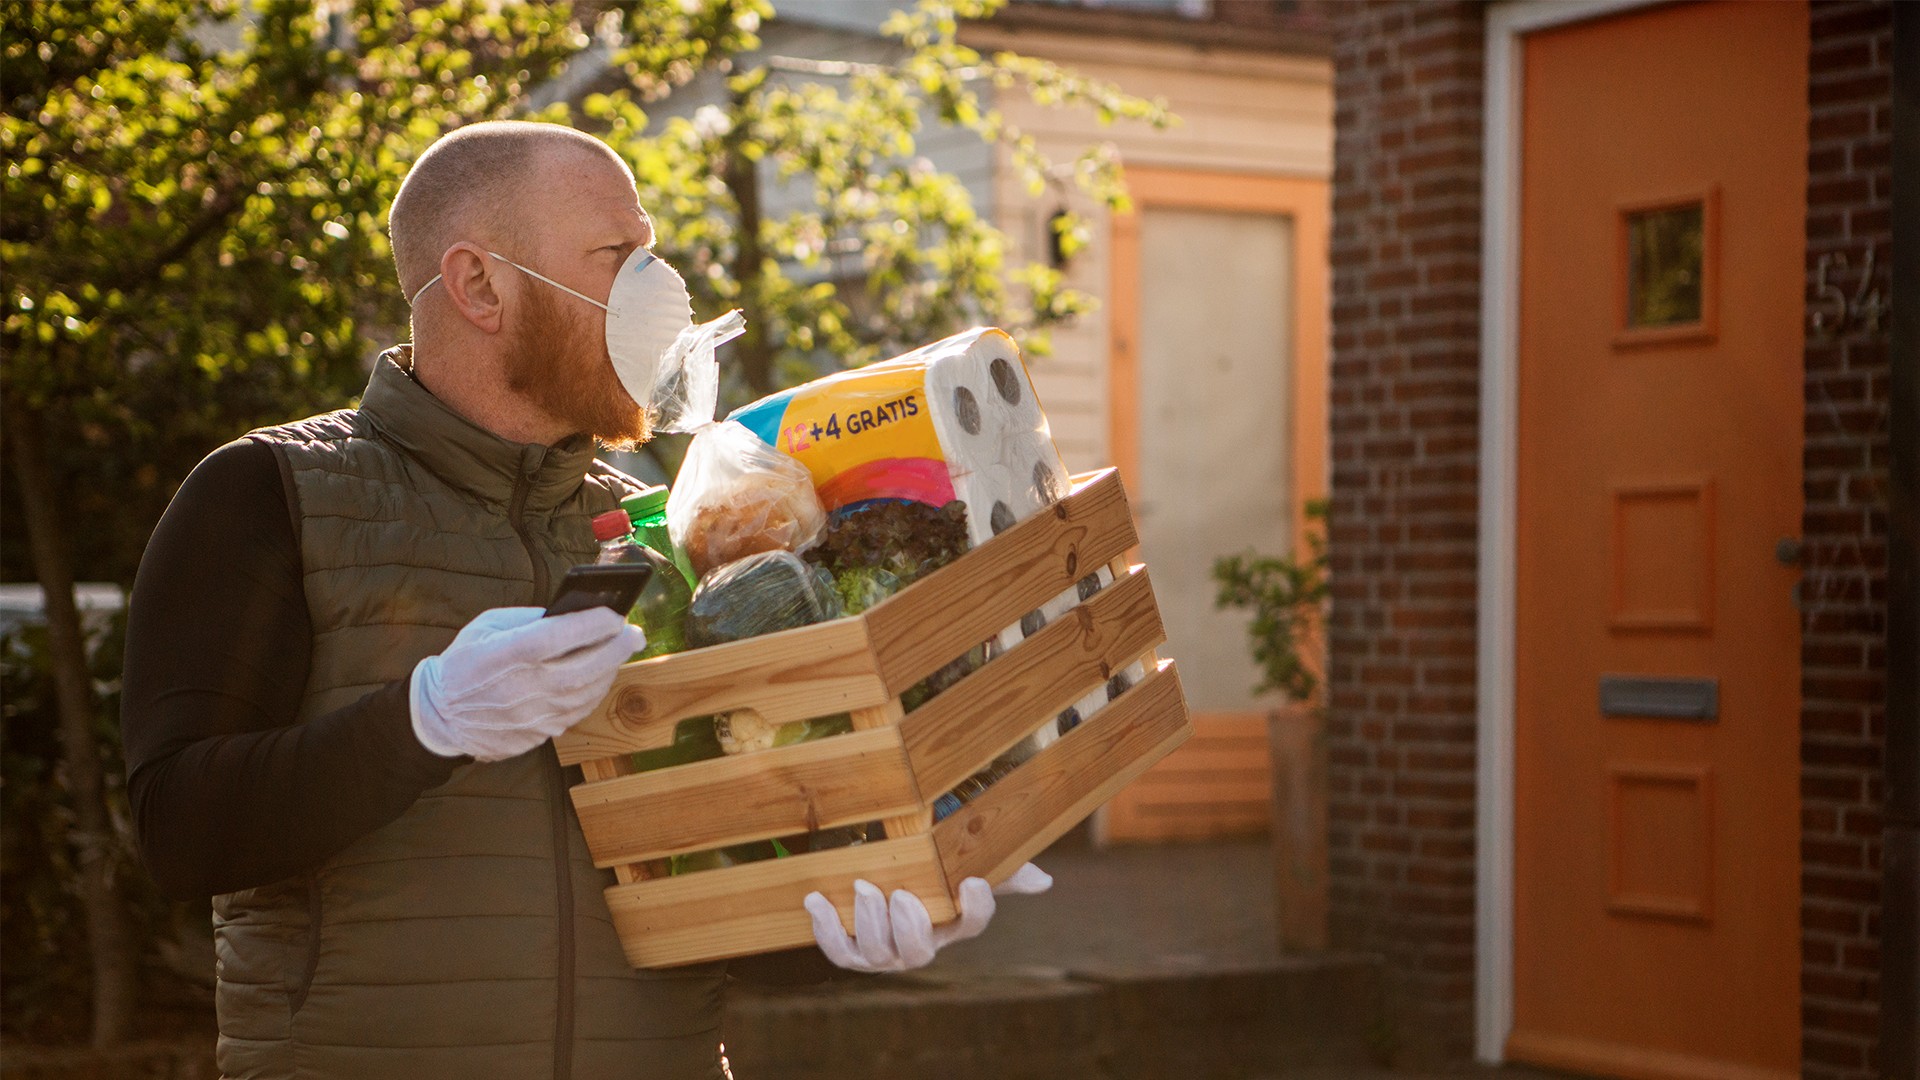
[109, 936]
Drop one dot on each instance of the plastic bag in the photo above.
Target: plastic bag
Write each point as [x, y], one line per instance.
[762, 593]
[737, 496]
[686, 385]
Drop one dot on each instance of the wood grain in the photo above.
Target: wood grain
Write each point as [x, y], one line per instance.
[792, 675]
[842, 780]
[963, 604]
[607, 769]
[756, 908]
[1016, 818]
[920, 819]
[962, 730]
[892, 766]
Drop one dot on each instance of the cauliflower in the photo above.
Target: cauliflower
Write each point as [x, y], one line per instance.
[743, 731]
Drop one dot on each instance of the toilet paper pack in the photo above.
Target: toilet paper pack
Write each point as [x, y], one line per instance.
[957, 419]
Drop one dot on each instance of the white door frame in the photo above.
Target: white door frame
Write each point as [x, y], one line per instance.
[1507, 25]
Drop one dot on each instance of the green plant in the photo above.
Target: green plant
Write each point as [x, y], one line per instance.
[801, 193]
[43, 932]
[1287, 597]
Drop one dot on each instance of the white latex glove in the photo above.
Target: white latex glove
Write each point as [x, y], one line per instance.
[901, 936]
[511, 680]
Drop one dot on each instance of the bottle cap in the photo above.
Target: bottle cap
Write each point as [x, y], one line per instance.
[611, 525]
[646, 504]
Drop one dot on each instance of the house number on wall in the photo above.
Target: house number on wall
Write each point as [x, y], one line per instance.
[1833, 311]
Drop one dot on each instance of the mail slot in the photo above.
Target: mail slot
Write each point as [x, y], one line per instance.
[1653, 697]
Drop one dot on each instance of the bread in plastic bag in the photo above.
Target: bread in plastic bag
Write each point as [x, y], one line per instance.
[736, 496]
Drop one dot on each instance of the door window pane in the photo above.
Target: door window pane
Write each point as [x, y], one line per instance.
[1664, 266]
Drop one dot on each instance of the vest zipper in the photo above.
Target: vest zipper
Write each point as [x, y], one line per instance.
[563, 879]
[530, 460]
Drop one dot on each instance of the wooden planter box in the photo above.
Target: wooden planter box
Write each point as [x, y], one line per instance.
[894, 765]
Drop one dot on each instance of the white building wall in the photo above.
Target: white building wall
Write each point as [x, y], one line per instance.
[1243, 113]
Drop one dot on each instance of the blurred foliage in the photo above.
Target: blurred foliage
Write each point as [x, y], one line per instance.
[44, 996]
[193, 242]
[194, 232]
[193, 236]
[1288, 599]
[880, 252]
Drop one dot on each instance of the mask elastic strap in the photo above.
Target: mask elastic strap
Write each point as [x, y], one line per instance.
[532, 273]
[415, 301]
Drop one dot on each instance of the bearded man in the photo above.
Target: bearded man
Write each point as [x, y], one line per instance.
[339, 689]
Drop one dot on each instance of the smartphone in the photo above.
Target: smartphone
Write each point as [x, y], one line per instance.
[615, 586]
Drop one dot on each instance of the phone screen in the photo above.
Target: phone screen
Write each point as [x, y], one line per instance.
[615, 586]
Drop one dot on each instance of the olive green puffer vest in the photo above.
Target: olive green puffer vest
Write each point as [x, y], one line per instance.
[467, 939]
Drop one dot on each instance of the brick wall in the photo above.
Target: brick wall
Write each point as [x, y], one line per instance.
[1843, 644]
[1405, 427]
[1404, 416]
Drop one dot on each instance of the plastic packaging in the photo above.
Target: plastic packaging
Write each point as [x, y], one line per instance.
[662, 608]
[614, 532]
[648, 511]
[737, 496]
[970, 788]
[686, 387]
[762, 593]
[957, 419]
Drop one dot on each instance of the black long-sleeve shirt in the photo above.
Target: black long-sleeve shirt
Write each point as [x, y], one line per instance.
[227, 791]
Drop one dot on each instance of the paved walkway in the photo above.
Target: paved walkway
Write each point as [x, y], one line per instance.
[1199, 905]
[1141, 963]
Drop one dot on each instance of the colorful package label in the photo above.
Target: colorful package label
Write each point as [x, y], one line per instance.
[863, 434]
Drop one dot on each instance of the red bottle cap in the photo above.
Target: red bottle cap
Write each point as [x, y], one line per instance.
[611, 525]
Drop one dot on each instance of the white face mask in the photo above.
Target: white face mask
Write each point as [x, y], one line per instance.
[647, 311]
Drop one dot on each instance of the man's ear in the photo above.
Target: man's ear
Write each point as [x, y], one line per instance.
[469, 275]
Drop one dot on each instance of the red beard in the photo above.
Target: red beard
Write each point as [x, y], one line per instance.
[554, 363]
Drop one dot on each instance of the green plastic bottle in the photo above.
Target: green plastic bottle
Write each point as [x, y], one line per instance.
[649, 513]
[662, 608]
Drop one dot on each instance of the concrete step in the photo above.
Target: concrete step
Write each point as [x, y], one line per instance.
[1131, 1020]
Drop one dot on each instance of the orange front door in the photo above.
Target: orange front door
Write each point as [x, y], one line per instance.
[1663, 186]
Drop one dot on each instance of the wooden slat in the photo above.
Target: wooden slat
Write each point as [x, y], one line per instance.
[842, 780]
[607, 769]
[961, 605]
[791, 675]
[920, 819]
[962, 730]
[1016, 819]
[756, 908]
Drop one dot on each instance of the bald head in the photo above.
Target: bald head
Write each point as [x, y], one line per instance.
[478, 183]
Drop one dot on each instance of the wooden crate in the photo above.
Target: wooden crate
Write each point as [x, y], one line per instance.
[894, 764]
